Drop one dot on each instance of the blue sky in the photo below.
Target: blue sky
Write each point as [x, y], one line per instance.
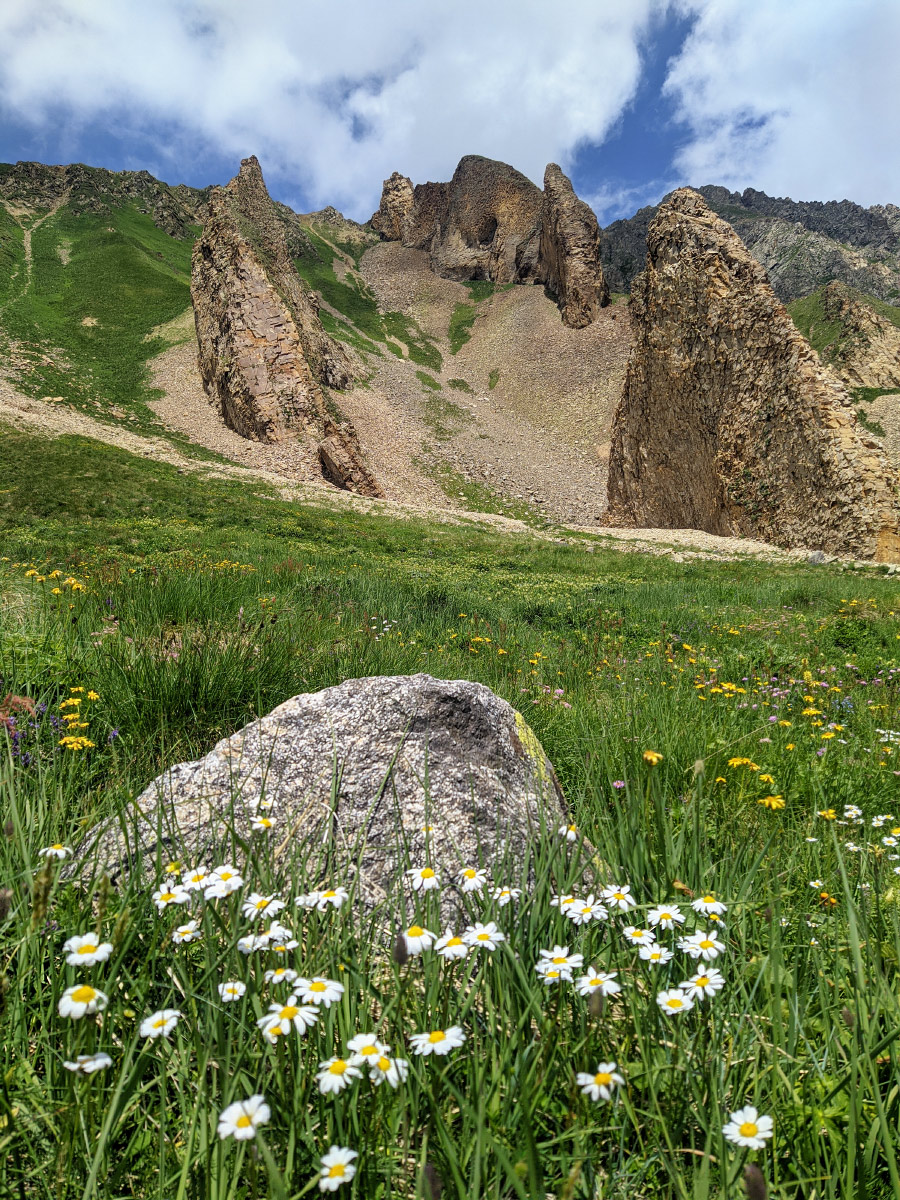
[630, 98]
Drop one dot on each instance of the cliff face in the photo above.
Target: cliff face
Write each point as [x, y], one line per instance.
[263, 353]
[728, 422]
[491, 222]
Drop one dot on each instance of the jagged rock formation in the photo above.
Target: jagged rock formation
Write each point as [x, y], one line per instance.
[802, 245]
[570, 251]
[867, 351]
[263, 353]
[491, 222]
[96, 190]
[728, 422]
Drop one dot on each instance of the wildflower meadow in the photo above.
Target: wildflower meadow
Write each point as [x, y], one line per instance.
[688, 990]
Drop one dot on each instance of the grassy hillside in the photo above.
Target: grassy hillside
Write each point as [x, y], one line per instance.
[828, 336]
[161, 613]
[79, 322]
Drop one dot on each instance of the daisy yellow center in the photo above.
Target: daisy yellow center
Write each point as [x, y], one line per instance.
[655, 954]
[706, 944]
[243, 1121]
[484, 937]
[261, 903]
[226, 875]
[369, 1050]
[553, 974]
[317, 986]
[603, 1079]
[279, 971]
[674, 1003]
[159, 1024]
[586, 909]
[57, 846]
[337, 1068]
[560, 958]
[198, 878]
[83, 994]
[337, 1171]
[428, 873]
[469, 873]
[702, 981]
[455, 941]
[638, 933]
[415, 931]
[88, 948]
[289, 1012]
[232, 991]
[709, 899]
[749, 1129]
[437, 1036]
[665, 916]
[167, 896]
[594, 982]
[328, 895]
[265, 821]
[618, 895]
[384, 1064]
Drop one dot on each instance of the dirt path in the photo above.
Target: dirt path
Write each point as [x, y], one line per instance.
[50, 420]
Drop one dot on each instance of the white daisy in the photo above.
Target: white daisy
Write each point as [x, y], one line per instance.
[709, 904]
[503, 895]
[86, 950]
[282, 1018]
[581, 912]
[280, 975]
[604, 982]
[57, 850]
[638, 937]
[251, 943]
[160, 1024]
[674, 1000]
[365, 1047]
[602, 1084]
[560, 958]
[337, 1168]
[335, 1074]
[319, 990]
[222, 882]
[484, 936]
[170, 894]
[657, 955]
[562, 902]
[262, 824]
[391, 1070]
[703, 984]
[242, 1119]
[569, 832]
[702, 945]
[232, 990]
[747, 1128]
[438, 1041]
[451, 946]
[87, 1064]
[331, 898]
[423, 879]
[81, 1000]
[618, 895]
[417, 939]
[190, 932]
[257, 905]
[471, 879]
[665, 915]
[196, 880]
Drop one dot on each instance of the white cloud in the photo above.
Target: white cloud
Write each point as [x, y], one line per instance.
[794, 97]
[332, 96]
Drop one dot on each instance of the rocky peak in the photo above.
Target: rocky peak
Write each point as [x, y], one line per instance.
[263, 354]
[866, 352]
[728, 422]
[491, 222]
[570, 251]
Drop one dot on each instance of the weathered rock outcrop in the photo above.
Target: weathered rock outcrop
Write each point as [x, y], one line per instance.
[491, 222]
[263, 353]
[349, 775]
[729, 423]
[866, 352]
[570, 251]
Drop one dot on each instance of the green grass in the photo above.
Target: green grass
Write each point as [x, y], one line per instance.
[494, 378]
[461, 386]
[193, 606]
[443, 417]
[824, 335]
[868, 423]
[428, 382]
[358, 304]
[460, 329]
[867, 395]
[480, 289]
[124, 274]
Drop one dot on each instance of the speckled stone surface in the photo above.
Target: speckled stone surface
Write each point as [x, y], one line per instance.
[351, 773]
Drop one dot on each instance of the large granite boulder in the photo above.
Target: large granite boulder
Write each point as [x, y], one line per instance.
[729, 422]
[350, 775]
